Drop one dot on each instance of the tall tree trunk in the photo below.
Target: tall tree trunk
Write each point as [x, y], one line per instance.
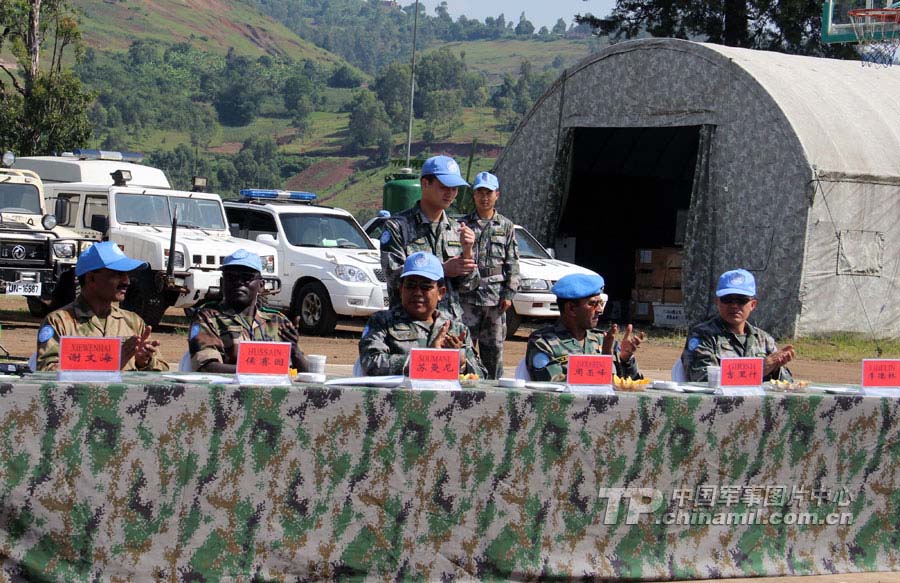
[735, 34]
[34, 45]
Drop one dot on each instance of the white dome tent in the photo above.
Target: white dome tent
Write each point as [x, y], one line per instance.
[787, 166]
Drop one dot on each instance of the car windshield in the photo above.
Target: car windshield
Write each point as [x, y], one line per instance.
[20, 198]
[315, 230]
[156, 210]
[529, 248]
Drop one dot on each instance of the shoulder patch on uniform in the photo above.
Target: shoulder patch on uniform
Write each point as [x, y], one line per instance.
[46, 333]
[385, 238]
[365, 331]
[540, 360]
[693, 343]
[195, 329]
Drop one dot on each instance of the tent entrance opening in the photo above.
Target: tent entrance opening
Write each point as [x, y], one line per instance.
[629, 189]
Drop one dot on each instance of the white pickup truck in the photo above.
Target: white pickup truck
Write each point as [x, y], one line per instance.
[538, 271]
[109, 196]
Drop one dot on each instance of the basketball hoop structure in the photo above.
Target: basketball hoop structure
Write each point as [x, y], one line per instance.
[877, 32]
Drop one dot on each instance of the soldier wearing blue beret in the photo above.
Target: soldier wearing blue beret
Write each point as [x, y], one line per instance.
[730, 334]
[581, 300]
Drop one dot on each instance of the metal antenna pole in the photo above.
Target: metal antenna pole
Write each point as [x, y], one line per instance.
[412, 85]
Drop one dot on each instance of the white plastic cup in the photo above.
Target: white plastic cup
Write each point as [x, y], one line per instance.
[316, 363]
[714, 375]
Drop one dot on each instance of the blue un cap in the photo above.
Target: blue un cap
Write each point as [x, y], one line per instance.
[423, 264]
[486, 180]
[105, 255]
[446, 169]
[578, 285]
[243, 258]
[736, 282]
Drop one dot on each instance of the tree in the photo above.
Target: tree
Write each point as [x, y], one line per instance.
[791, 26]
[368, 123]
[43, 107]
[559, 29]
[345, 77]
[392, 88]
[524, 28]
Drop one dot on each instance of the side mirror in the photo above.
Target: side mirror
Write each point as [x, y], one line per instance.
[100, 223]
[552, 252]
[61, 210]
[267, 239]
[235, 229]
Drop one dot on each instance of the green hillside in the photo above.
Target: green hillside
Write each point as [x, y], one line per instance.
[496, 58]
[208, 25]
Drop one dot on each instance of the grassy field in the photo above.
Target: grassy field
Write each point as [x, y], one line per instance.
[499, 57]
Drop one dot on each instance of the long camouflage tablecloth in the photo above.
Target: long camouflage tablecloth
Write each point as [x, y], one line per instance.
[142, 482]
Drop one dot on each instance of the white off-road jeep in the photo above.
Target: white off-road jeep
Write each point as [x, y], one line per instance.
[182, 235]
[35, 253]
[329, 267]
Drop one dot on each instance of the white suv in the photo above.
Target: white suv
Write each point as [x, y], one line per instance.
[538, 271]
[329, 267]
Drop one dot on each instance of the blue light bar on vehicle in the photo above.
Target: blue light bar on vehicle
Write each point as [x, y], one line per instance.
[83, 154]
[255, 193]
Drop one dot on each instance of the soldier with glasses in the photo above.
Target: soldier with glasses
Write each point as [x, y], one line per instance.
[730, 334]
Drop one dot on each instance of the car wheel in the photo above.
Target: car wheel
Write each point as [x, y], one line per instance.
[513, 321]
[313, 309]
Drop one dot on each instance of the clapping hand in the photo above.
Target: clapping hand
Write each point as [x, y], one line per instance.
[141, 348]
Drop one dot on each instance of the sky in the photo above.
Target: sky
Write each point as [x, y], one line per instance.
[539, 12]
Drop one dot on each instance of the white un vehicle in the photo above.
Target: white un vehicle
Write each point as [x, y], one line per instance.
[35, 253]
[538, 271]
[329, 267]
[110, 196]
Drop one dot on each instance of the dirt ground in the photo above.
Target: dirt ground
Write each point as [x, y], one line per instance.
[19, 333]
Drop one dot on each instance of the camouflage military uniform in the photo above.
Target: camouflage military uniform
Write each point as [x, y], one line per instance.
[547, 355]
[77, 319]
[389, 335]
[410, 231]
[709, 341]
[497, 255]
[217, 330]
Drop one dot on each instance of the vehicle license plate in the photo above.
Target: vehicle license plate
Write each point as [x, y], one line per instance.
[23, 288]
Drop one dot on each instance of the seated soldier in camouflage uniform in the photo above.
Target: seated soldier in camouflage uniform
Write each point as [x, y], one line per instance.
[497, 254]
[730, 334]
[217, 330]
[390, 334]
[581, 300]
[102, 272]
[426, 227]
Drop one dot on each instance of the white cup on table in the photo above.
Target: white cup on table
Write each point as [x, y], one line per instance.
[714, 375]
[316, 363]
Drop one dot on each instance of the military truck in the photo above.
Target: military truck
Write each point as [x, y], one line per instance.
[35, 253]
[183, 235]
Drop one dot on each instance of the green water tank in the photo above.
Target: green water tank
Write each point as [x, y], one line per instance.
[401, 190]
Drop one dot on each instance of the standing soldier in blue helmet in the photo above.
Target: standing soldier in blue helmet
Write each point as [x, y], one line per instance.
[426, 227]
[730, 334]
[497, 255]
